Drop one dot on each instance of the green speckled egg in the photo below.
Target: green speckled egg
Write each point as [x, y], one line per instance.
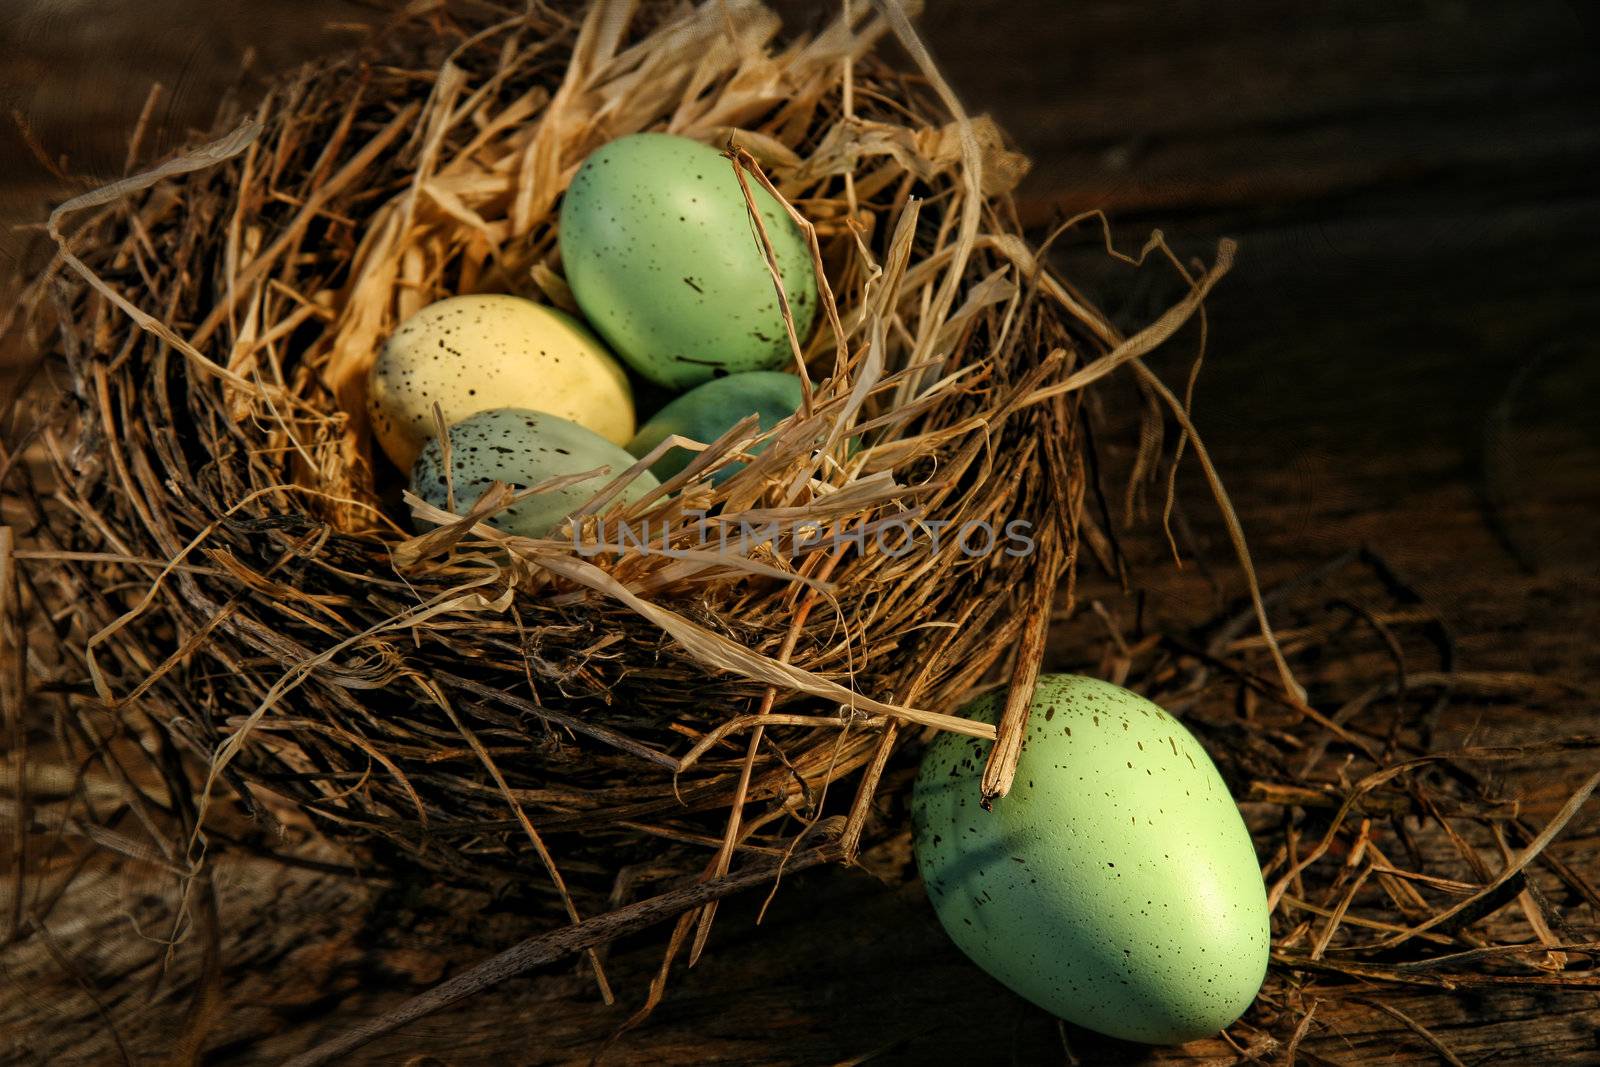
[523, 448]
[661, 255]
[708, 411]
[1115, 885]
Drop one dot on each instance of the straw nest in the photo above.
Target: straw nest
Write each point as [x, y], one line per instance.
[242, 575]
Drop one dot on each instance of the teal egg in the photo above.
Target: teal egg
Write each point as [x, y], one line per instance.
[661, 255]
[1115, 886]
[708, 411]
[523, 448]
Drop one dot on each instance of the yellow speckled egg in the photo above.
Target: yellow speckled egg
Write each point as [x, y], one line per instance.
[474, 353]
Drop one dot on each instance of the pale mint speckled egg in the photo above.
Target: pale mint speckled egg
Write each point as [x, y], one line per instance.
[660, 252]
[1115, 886]
[472, 353]
[522, 448]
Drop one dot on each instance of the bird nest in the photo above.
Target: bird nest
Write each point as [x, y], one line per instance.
[245, 578]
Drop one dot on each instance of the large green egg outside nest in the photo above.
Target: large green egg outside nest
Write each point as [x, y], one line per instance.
[1116, 885]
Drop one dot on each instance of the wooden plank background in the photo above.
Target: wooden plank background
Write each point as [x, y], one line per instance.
[1405, 358]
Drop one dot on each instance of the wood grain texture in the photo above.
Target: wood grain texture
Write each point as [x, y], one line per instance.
[1404, 358]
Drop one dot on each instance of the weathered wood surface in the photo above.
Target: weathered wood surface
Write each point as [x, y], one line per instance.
[1404, 358]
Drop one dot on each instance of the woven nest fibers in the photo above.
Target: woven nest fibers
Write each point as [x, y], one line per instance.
[239, 574]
